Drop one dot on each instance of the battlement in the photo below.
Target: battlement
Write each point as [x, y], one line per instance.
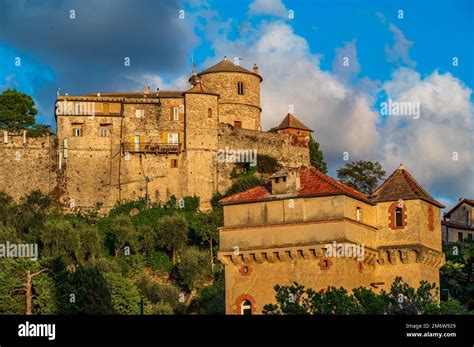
[20, 138]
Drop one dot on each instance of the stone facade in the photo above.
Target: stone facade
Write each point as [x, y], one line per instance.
[458, 223]
[124, 146]
[27, 164]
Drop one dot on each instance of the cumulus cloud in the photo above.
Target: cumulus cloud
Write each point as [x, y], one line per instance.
[345, 63]
[268, 7]
[343, 113]
[292, 76]
[429, 146]
[399, 52]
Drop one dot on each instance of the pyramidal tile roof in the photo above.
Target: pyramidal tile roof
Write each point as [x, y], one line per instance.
[226, 65]
[290, 121]
[313, 183]
[401, 185]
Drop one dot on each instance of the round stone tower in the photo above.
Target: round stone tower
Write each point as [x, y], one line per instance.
[239, 90]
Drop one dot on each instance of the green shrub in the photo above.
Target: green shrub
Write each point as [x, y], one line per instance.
[159, 261]
[243, 183]
[267, 164]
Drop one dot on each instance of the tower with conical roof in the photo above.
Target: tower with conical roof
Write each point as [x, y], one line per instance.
[239, 90]
[409, 229]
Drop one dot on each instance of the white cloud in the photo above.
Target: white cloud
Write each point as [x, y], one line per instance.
[291, 73]
[138, 82]
[345, 63]
[268, 7]
[426, 145]
[399, 52]
[342, 113]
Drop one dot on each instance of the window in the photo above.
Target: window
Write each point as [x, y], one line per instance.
[104, 132]
[77, 131]
[209, 113]
[246, 308]
[240, 88]
[137, 143]
[460, 237]
[358, 214]
[139, 113]
[238, 124]
[174, 163]
[173, 138]
[175, 113]
[469, 237]
[398, 217]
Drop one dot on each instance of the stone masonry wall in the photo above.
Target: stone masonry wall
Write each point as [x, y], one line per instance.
[28, 166]
[272, 144]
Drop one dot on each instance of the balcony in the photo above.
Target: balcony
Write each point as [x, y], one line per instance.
[152, 147]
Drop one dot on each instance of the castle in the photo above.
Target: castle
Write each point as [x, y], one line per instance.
[308, 228]
[304, 227]
[122, 146]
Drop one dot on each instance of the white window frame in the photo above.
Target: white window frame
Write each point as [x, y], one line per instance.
[173, 138]
[104, 132]
[358, 213]
[176, 113]
[136, 141]
[78, 132]
[139, 113]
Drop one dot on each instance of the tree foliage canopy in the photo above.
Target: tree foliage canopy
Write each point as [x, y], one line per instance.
[17, 111]
[361, 175]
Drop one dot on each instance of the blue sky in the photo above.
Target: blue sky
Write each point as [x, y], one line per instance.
[300, 60]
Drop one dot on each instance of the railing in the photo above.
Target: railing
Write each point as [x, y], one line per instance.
[152, 147]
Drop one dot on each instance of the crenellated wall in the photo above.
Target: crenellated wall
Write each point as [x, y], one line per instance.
[27, 164]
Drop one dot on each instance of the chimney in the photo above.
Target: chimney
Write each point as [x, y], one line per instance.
[255, 68]
[146, 90]
[285, 182]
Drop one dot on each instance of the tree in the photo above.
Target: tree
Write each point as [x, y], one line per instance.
[402, 299]
[123, 233]
[205, 226]
[316, 156]
[85, 291]
[90, 242]
[125, 295]
[193, 266]
[60, 239]
[17, 111]
[361, 175]
[172, 233]
[148, 239]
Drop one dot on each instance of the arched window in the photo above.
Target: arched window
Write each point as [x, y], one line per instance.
[398, 217]
[246, 308]
[209, 112]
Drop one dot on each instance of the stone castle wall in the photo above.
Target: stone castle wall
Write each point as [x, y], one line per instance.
[272, 144]
[27, 166]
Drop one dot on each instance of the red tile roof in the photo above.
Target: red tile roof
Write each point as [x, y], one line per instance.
[401, 185]
[290, 121]
[313, 183]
